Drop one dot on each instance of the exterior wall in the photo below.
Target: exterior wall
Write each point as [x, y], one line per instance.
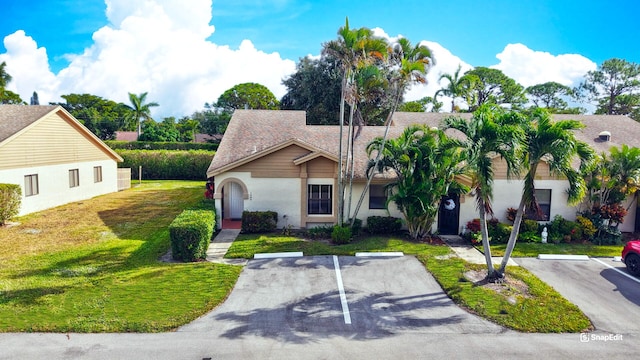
[53, 140]
[53, 183]
[364, 211]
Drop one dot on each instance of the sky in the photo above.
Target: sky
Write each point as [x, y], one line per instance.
[186, 53]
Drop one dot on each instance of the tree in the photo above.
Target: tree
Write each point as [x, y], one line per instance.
[139, 109]
[494, 87]
[549, 95]
[425, 163]
[248, 95]
[188, 129]
[5, 78]
[491, 132]
[166, 131]
[103, 117]
[614, 86]
[7, 96]
[554, 143]
[457, 86]
[427, 103]
[212, 120]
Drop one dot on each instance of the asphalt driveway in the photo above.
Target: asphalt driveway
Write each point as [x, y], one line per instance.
[600, 287]
[303, 299]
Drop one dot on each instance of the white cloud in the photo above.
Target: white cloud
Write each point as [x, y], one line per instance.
[529, 67]
[154, 46]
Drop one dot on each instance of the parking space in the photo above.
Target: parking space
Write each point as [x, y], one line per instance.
[295, 299]
[600, 287]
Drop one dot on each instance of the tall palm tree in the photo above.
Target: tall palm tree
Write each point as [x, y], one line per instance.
[491, 132]
[140, 109]
[556, 144]
[458, 86]
[5, 78]
[411, 64]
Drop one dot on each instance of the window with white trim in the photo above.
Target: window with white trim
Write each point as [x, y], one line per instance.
[319, 200]
[74, 178]
[97, 174]
[31, 185]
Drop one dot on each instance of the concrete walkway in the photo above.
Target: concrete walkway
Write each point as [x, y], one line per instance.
[469, 253]
[220, 245]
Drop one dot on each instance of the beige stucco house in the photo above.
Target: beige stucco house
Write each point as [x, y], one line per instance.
[272, 160]
[53, 157]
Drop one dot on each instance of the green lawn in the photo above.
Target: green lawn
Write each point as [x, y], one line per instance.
[93, 266]
[533, 249]
[542, 309]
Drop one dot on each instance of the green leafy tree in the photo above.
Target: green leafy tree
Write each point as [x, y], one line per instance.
[103, 117]
[248, 95]
[549, 95]
[614, 87]
[140, 109]
[425, 163]
[188, 129]
[556, 144]
[212, 120]
[5, 78]
[492, 86]
[491, 132]
[457, 87]
[427, 103]
[7, 96]
[166, 131]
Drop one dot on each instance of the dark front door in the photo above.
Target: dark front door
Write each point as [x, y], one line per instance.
[449, 215]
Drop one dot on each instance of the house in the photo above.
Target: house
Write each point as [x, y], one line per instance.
[273, 160]
[54, 158]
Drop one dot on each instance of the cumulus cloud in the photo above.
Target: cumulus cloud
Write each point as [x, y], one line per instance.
[154, 46]
[529, 67]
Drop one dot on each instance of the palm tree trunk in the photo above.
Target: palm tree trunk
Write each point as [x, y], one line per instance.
[485, 239]
[513, 236]
[340, 182]
[350, 158]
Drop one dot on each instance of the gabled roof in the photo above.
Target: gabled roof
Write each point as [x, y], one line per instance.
[17, 119]
[255, 133]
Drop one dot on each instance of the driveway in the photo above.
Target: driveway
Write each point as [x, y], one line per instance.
[306, 298]
[598, 286]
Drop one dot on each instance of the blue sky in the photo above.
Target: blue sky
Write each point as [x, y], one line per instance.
[473, 33]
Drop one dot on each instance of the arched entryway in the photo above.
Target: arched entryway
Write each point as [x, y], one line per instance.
[232, 193]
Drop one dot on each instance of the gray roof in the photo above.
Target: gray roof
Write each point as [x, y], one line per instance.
[14, 118]
[252, 132]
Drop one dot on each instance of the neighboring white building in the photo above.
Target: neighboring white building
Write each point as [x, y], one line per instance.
[272, 160]
[53, 157]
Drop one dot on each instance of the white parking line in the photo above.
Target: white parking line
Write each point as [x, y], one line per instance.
[618, 270]
[343, 296]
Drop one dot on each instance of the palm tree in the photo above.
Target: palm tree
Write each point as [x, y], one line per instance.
[491, 132]
[412, 64]
[140, 110]
[554, 143]
[5, 78]
[425, 163]
[458, 86]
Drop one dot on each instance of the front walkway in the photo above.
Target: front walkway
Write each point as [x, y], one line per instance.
[465, 251]
[220, 245]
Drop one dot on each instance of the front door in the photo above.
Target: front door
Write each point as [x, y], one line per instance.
[449, 215]
[236, 201]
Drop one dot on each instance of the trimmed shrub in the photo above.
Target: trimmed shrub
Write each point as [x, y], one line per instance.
[498, 232]
[357, 227]
[383, 224]
[10, 200]
[320, 232]
[167, 164]
[259, 221]
[529, 226]
[191, 233]
[341, 234]
[153, 145]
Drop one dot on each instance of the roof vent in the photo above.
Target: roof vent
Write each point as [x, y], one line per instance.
[604, 136]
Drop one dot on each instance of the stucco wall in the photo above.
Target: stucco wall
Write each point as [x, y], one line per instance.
[53, 183]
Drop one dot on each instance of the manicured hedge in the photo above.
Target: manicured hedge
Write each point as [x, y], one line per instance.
[259, 221]
[191, 233]
[383, 224]
[167, 164]
[151, 145]
[10, 199]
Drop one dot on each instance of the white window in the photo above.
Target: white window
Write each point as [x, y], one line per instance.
[320, 200]
[97, 174]
[377, 197]
[74, 178]
[31, 185]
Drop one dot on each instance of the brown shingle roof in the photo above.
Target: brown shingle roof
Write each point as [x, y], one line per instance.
[254, 131]
[14, 118]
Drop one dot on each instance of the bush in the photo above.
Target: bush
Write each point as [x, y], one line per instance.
[153, 145]
[498, 232]
[473, 226]
[341, 234]
[357, 227]
[528, 225]
[588, 229]
[10, 198]
[530, 237]
[167, 164]
[320, 232]
[259, 221]
[191, 233]
[383, 224]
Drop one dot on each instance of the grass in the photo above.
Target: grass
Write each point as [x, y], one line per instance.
[534, 249]
[541, 310]
[92, 266]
